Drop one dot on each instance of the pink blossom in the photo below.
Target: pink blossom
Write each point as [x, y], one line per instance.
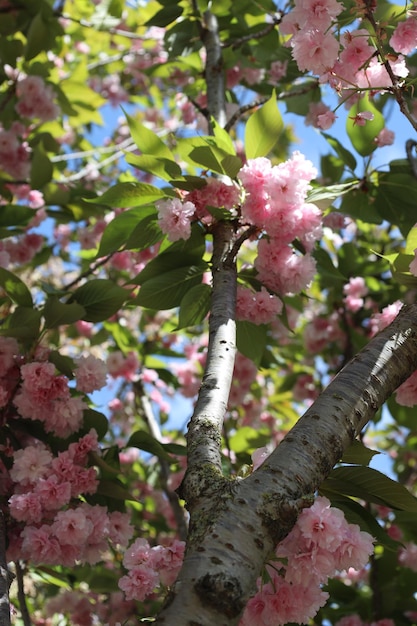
[51, 493]
[404, 37]
[9, 350]
[385, 137]
[321, 331]
[174, 218]
[362, 117]
[314, 50]
[120, 529]
[71, 527]
[120, 365]
[14, 155]
[277, 71]
[139, 583]
[406, 394]
[357, 49]
[40, 546]
[379, 321]
[35, 99]
[79, 450]
[167, 561]
[30, 464]
[137, 553]
[354, 292]
[259, 307]
[260, 455]
[26, 507]
[281, 269]
[90, 373]
[320, 116]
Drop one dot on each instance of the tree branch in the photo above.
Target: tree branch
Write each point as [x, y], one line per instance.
[237, 535]
[216, 103]
[4, 576]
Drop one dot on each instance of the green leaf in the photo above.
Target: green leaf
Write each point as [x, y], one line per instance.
[24, 324]
[246, 439]
[37, 37]
[411, 243]
[57, 313]
[15, 288]
[167, 290]
[363, 137]
[395, 200]
[145, 234]
[358, 454]
[63, 364]
[166, 16]
[371, 486]
[144, 441]
[263, 129]
[329, 275]
[251, 340]
[101, 299]
[158, 166]
[114, 489]
[120, 230]
[124, 195]
[14, 215]
[147, 141]
[194, 306]
[346, 156]
[331, 192]
[41, 169]
[95, 419]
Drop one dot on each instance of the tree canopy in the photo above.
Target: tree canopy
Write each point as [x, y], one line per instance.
[206, 338]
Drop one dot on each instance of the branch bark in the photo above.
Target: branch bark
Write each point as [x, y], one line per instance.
[241, 522]
[4, 577]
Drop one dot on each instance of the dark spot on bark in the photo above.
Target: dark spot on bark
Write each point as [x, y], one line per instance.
[315, 416]
[200, 549]
[259, 544]
[221, 592]
[215, 560]
[230, 546]
[241, 501]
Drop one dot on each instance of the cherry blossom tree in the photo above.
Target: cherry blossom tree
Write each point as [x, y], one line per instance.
[207, 339]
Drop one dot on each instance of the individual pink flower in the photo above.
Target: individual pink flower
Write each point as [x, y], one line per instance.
[354, 292]
[124, 366]
[314, 50]
[259, 307]
[26, 507]
[30, 464]
[52, 493]
[90, 373]
[40, 546]
[71, 527]
[35, 99]
[385, 137]
[120, 528]
[79, 450]
[139, 583]
[260, 455]
[167, 561]
[404, 37]
[379, 321]
[137, 553]
[362, 117]
[406, 394]
[174, 218]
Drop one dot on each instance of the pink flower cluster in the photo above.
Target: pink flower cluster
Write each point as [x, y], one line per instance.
[59, 529]
[35, 99]
[354, 291]
[259, 307]
[275, 202]
[174, 218]
[320, 544]
[149, 567]
[14, 154]
[124, 366]
[352, 62]
[45, 396]
[406, 394]
[215, 193]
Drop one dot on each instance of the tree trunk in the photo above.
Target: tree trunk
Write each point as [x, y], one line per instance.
[234, 531]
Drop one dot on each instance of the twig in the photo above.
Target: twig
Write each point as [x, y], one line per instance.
[21, 595]
[155, 431]
[88, 272]
[97, 165]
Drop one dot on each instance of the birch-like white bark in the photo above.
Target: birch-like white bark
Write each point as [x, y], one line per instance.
[234, 532]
